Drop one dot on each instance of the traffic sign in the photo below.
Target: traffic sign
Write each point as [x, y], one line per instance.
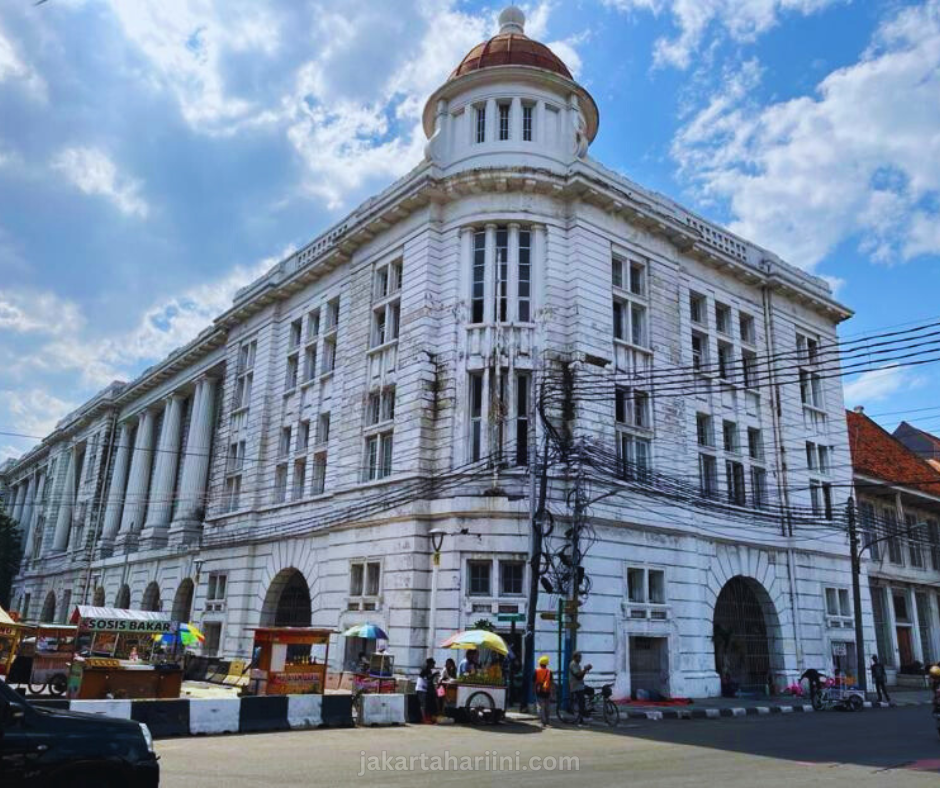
[510, 617]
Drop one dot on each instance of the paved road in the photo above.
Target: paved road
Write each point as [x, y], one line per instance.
[897, 747]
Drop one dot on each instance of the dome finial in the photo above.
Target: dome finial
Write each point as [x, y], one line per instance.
[512, 20]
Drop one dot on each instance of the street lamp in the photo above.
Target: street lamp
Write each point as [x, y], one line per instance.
[436, 535]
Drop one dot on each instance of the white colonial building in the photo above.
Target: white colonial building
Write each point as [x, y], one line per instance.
[288, 464]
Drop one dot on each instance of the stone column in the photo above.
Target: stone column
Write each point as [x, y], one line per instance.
[34, 517]
[27, 513]
[115, 504]
[135, 499]
[164, 475]
[190, 511]
[63, 523]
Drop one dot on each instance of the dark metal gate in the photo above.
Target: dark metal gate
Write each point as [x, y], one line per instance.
[742, 651]
[648, 668]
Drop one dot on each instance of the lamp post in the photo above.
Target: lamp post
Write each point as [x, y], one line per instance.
[436, 535]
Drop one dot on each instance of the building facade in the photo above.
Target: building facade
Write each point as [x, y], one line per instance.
[898, 495]
[288, 465]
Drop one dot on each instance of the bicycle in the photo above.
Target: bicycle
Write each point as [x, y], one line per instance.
[592, 700]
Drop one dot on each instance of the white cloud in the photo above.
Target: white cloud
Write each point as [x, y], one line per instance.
[12, 67]
[742, 20]
[860, 159]
[42, 313]
[93, 172]
[879, 384]
[34, 411]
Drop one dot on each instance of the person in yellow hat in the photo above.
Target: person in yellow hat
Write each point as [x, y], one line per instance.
[543, 690]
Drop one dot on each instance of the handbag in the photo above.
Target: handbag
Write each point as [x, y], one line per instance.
[441, 692]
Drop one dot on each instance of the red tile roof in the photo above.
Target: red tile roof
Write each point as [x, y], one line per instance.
[875, 452]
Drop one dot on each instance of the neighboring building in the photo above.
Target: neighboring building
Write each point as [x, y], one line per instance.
[898, 494]
[287, 465]
[923, 444]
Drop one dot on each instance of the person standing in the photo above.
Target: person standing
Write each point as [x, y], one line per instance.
[880, 678]
[576, 674]
[814, 678]
[427, 691]
[543, 690]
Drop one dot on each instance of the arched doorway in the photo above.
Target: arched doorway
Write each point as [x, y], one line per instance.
[287, 604]
[151, 600]
[183, 601]
[48, 609]
[746, 633]
[123, 599]
[98, 599]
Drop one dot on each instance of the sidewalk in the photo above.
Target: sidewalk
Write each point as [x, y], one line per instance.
[718, 708]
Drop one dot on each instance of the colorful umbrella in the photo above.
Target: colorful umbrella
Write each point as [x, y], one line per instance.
[477, 638]
[188, 635]
[367, 631]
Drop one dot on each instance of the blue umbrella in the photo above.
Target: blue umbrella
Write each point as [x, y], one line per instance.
[367, 631]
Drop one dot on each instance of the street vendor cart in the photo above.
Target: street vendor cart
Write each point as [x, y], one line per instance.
[45, 658]
[478, 696]
[117, 655]
[11, 633]
[284, 661]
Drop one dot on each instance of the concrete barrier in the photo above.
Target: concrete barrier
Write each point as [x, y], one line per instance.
[268, 713]
[107, 708]
[214, 715]
[304, 711]
[383, 709]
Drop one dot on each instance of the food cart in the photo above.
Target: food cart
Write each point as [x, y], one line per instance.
[11, 633]
[478, 697]
[45, 658]
[377, 674]
[282, 662]
[118, 657]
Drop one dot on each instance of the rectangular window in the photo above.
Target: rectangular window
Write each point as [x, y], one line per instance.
[632, 407]
[832, 602]
[708, 475]
[310, 363]
[303, 436]
[296, 328]
[656, 586]
[292, 364]
[479, 576]
[283, 446]
[524, 277]
[379, 456]
[300, 474]
[378, 327]
[747, 328]
[243, 391]
[758, 487]
[522, 419]
[810, 389]
[704, 430]
[755, 444]
[478, 295]
[332, 315]
[845, 608]
[373, 578]
[734, 476]
[313, 325]
[811, 455]
[504, 121]
[502, 274]
[233, 489]
[807, 349]
[723, 319]
[481, 123]
[217, 587]
[280, 483]
[725, 360]
[749, 369]
[870, 530]
[933, 534]
[636, 585]
[634, 454]
[246, 356]
[697, 305]
[356, 579]
[213, 632]
[236, 457]
[476, 416]
[318, 484]
[511, 574]
[729, 431]
[893, 542]
[699, 352]
[527, 122]
[323, 428]
[329, 355]
[913, 544]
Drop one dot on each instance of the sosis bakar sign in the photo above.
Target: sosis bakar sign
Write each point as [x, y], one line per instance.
[128, 625]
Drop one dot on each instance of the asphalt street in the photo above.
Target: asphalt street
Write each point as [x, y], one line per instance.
[897, 747]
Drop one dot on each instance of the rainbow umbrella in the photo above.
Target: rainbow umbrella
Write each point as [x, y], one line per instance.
[187, 634]
[476, 638]
[366, 631]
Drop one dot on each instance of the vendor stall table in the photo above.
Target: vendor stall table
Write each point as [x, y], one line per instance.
[282, 663]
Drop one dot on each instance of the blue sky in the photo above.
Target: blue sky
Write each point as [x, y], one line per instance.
[157, 155]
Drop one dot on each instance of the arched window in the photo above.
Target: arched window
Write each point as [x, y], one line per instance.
[123, 599]
[48, 608]
[183, 601]
[151, 600]
[98, 599]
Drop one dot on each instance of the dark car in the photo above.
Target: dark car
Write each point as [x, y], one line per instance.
[42, 747]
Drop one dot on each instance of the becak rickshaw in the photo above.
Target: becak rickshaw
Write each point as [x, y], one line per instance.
[11, 635]
[45, 658]
[478, 694]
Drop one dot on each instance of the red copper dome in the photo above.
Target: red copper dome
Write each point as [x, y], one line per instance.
[511, 47]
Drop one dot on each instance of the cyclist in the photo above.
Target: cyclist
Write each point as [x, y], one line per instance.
[576, 674]
[814, 678]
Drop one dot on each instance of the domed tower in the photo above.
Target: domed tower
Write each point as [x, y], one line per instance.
[510, 102]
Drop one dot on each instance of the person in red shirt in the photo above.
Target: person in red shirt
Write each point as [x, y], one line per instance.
[543, 690]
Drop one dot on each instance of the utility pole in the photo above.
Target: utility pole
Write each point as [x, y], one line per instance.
[857, 597]
[535, 570]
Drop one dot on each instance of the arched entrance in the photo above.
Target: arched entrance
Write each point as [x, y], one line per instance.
[48, 609]
[183, 601]
[151, 600]
[287, 603]
[746, 633]
[123, 599]
[98, 599]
